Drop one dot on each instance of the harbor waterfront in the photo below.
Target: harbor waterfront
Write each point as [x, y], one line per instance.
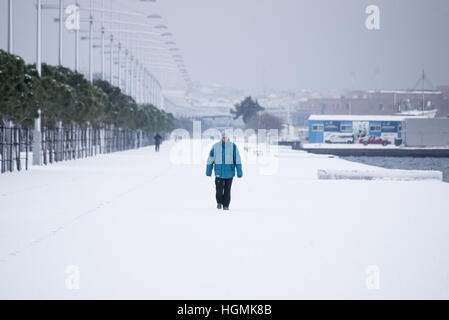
[374, 151]
[407, 163]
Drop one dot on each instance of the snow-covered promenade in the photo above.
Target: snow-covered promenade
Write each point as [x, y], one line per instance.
[134, 225]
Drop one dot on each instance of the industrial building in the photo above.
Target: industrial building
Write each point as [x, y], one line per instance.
[380, 130]
[356, 129]
[382, 102]
[427, 132]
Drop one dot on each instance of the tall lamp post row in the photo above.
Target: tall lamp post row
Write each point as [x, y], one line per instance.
[114, 40]
[137, 77]
[135, 69]
[139, 81]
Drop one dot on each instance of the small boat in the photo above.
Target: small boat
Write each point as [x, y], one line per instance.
[418, 113]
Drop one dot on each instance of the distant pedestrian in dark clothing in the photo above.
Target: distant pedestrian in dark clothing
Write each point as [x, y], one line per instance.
[224, 158]
[157, 141]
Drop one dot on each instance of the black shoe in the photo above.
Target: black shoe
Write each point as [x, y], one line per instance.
[225, 208]
[218, 205]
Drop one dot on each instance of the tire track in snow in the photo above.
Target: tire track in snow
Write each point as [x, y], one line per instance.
[25, 189]
[15, 252]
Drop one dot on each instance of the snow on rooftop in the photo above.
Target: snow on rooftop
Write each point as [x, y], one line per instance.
[405, 91]
[347, 117]
[380, 174]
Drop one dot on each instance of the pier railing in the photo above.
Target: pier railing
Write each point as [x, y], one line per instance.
[65, 143]
[15, 145]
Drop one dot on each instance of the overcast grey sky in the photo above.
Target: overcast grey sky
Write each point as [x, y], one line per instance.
[284, 44]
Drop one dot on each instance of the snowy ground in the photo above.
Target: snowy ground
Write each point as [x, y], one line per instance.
[135, 225]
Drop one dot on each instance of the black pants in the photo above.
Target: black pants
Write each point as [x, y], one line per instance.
[156, 146]
[223, 191]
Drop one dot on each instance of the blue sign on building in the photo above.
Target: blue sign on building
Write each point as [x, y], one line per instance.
[351, 129]
[332, 126]
[389, 126]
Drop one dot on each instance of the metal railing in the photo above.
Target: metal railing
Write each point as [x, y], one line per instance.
[15, 144]
[63, 144]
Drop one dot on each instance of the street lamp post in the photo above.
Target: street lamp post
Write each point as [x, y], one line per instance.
[39, 37]
[150, 88]
[77, 44]
[147, 95]
[102, 39]
[111, 56]
[131, 75]
[139, 82]
[157, 94]
[137, 88]
[153, 101]
[145, 89]
[142, 87]
[119, 65]
[61, 17]
[10, 26]
[126, 71]
[154, 92]
[37, 160]
[142, 83]
[91, 41]
[159, 91]
[138, 69]
[136, 84]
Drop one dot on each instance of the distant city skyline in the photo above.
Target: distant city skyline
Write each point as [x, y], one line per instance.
[264, 45]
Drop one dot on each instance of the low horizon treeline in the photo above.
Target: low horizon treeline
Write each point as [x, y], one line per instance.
[62, 94]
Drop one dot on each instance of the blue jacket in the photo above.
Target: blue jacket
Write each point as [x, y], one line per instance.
[224, 157]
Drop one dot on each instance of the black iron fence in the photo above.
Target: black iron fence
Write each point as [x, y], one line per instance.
[62, 144]
[15, 145]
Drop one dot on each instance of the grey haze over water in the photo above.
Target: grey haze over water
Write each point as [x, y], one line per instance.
[407, 163]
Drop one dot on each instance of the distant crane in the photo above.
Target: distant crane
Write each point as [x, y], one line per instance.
[422, 80]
